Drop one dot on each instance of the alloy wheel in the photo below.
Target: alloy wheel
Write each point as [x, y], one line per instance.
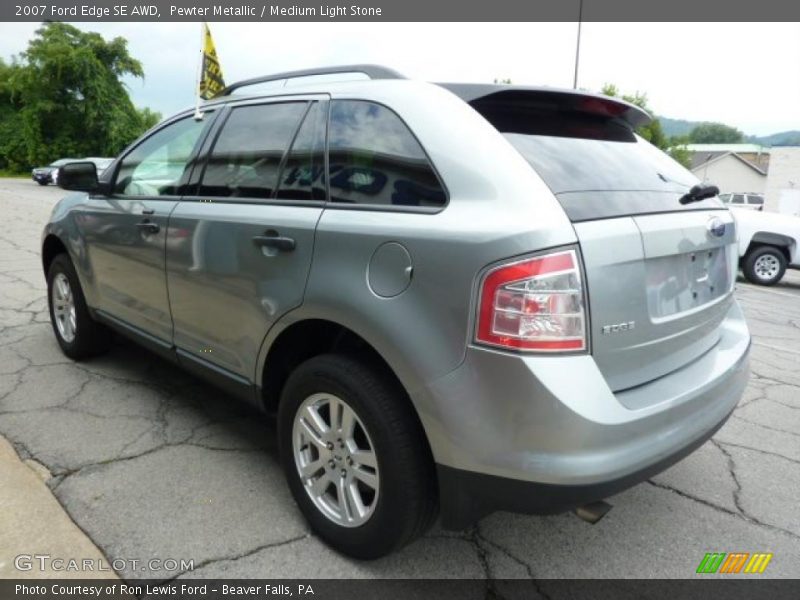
[64, 308]
[335, 459]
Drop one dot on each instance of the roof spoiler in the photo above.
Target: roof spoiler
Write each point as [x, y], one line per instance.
[551, 99]
[371, 71]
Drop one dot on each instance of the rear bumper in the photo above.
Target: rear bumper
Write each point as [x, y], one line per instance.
[467, 496]
[546, 434]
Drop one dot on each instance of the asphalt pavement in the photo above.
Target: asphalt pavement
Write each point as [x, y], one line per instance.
[150, 462]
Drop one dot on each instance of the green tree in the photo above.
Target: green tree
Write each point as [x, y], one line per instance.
[67, 98]
[679, 150]
[715, 133]
[12, 139]
[652, 132]
[148, 118]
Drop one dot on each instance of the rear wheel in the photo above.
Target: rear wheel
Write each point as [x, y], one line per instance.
[355, 457]
[77, 333]
[764, 265]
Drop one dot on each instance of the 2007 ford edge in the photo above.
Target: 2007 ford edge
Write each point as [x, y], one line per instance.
[458, 298]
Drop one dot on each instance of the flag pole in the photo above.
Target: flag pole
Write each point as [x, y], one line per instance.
[197, 114]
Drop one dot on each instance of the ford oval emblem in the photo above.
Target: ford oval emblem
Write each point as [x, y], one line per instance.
[716, 227]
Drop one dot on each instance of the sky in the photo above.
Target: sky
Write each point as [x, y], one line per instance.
[743, 74]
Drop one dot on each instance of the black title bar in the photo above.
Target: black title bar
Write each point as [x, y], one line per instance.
[404, 10]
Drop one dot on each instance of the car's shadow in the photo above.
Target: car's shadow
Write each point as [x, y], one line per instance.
[199, 410]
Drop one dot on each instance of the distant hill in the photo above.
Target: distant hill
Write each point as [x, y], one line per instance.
[784, 138]
[677, 126]
[682, 127]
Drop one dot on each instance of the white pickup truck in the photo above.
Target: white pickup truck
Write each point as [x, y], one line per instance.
[768, 244]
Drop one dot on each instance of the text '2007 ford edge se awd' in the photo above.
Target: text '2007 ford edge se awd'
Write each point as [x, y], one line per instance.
[458, 298]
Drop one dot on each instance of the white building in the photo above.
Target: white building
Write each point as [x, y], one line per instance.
[732, 174]
[741, 168]
[783, 181]
[734, 168]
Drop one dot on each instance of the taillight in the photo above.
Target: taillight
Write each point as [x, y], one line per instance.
[534, 304]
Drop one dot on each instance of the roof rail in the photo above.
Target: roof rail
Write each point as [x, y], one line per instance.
[371, 71]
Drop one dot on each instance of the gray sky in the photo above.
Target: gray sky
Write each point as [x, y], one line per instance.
[743, 74]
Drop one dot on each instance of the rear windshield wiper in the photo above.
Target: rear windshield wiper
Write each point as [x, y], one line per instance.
[701, 191]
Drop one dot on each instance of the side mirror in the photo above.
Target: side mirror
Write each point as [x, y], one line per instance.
[78, 177]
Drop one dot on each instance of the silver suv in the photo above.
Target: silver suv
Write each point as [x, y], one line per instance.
[457, 298]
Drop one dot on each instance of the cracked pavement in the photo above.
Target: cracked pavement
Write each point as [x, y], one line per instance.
[152, 463]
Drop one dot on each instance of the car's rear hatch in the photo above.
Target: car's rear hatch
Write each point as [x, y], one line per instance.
[659, 273]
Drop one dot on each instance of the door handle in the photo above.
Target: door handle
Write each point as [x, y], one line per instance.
[148, 211]
[148, 226]
[271, 239]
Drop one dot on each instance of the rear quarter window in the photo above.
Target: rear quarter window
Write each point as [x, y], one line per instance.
[374, 159]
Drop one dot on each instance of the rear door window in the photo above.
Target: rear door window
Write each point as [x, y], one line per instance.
[248, 153]
[374, 159]
[302, 174]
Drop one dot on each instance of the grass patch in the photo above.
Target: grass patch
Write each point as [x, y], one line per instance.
[15, 174]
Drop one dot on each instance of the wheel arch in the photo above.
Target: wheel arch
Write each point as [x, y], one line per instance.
[305, 338]
[52, 246]
[784, 243]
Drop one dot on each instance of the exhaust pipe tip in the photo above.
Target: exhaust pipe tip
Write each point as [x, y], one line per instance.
[593, 512]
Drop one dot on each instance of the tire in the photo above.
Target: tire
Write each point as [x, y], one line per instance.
[41, 182]
[764, 265]
[82, 336]
[405, 503]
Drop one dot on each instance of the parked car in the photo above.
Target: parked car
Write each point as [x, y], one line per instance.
[449, 294]
[49, 174]
[746, 201]
[768, 244]
[101, 163]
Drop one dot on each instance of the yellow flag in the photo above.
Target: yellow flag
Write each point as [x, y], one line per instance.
[211, 80]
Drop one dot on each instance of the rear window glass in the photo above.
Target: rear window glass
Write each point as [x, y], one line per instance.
[596, 166]
[578, 164]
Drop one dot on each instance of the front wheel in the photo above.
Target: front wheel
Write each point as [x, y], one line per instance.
[764, 265]
[355, 456]
[77, 333]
